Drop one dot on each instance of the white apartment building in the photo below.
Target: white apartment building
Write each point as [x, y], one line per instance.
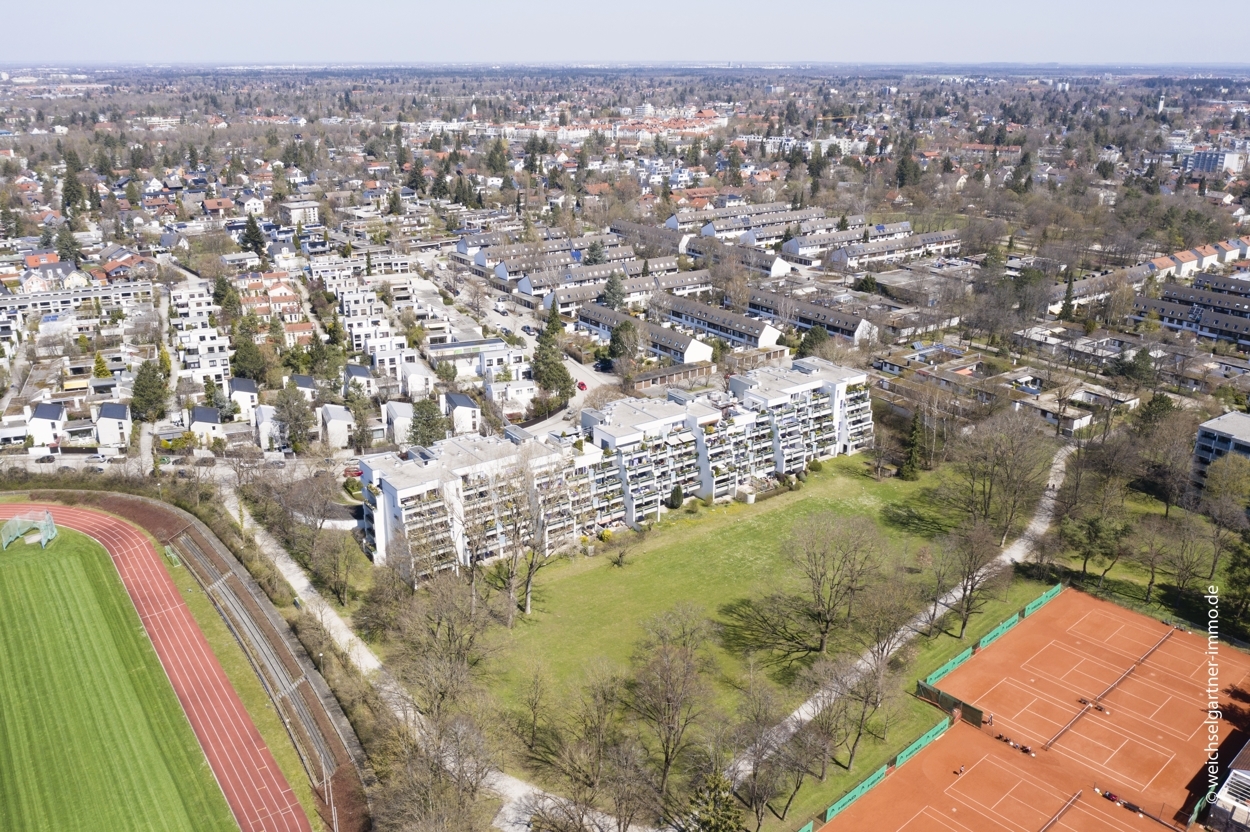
[620, 466]
[190, 304]
[203, 354]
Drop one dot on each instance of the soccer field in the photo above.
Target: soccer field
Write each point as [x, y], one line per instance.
[92, 736]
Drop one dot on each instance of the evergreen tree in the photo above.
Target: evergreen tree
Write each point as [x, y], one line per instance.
[624, 341]
[293, 412]
[712, 808]
[101, 368]
[1065, 312]
[549, 371]
[428, 424]
[45, 237]
[150, 395]
[395, 205]
[594, 254]
[253, 238]
[613, 295]
[910, 469]
[676, 497]
[166, 366]
[416, 179]
[812, 339]
[67, 247]
[247, 361]
[72, 193]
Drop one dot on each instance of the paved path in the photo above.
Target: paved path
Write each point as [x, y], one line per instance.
[1015, 553]
[256, 790]
[516, 794]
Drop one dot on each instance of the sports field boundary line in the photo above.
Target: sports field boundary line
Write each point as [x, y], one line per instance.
[242, 764]
[1064, 808]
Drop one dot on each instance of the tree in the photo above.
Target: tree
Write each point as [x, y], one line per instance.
[1098, 538]
[428, 424]
[613, 295]
[1167, 451]
[248, 361]
[1151, 548]
[254, 239]
[101, 369]
[166, 365]
[1065, 312]
[910, 469]
[974, 552]
[446, 372]
[292, 411]
[624, 341]
[676, 498]
[712, 808]
[594, 254]
[998, 469]
[150, 395]
[67, 247]
[333, 563]
[667, 692]
[812, 340]
[548, 368]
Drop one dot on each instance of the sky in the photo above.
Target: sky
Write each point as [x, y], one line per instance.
[1083, 32]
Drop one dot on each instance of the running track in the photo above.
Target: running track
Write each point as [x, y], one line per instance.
[258, 794]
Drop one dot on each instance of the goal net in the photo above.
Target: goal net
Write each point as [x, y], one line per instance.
[40, 521]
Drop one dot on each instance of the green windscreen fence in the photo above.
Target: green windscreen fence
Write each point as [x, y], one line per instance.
[1202, 804]
[997, 633]
[968, 713]
[936, 676]
[926, 738]
[855, 793]
[1040, 601]
[807, 827]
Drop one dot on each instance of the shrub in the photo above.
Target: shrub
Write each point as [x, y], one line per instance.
[605, 536]
[815, 465]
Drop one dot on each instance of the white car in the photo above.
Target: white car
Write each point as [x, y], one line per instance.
[97, 458]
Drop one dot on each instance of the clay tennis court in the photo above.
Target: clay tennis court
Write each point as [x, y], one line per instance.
[255, 789]
[1147, 744]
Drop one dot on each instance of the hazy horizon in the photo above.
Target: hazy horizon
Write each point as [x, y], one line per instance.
[957, 34]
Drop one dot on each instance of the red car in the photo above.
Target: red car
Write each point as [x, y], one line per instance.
[351, 472]
[581, 385]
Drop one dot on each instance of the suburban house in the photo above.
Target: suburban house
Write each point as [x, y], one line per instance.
[206, 424]
[112, 425]
[465, 415]
[47, 423]
[245, 395]
[337, 425]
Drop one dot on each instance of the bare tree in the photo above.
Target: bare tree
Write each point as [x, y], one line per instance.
[667, 692]
[998, 470]
[1152, 547]
[977, 570]
[1184, 561]
[335, 561]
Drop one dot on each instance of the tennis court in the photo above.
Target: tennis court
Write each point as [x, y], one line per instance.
[1105, 698]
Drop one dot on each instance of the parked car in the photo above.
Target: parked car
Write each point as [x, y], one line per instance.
[351, 472]
[96, 458]
[44, 460]
[66, 469]
[527, 329]
[276, 463]
[581, 385]
[503, 312]
[96, 469]
[184, 473]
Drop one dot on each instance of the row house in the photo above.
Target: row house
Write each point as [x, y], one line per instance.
[537, 285]
[657, 341]
[862, 255]
[191, 304]
[811, 245]
[738, 330]
[694, 221]
[369, 333]
[804, 315]
[638, 290]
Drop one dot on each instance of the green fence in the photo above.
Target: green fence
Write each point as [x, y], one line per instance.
[997, 633]
[934, 677]
[928, 737]
[1039, 602]
[807, 827]
[1202, 804]
[856, 793]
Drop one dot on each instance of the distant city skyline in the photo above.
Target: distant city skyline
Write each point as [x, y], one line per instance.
[1065, 32]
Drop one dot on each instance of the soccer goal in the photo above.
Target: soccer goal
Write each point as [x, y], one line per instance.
[40, 521]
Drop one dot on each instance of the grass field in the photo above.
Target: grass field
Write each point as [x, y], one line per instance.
[92, 736]
[588, 610]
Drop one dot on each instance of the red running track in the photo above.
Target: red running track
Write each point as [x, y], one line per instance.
[255, 788]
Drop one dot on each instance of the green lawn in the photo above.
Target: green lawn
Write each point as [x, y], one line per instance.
[91, 733]
[588, 610]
